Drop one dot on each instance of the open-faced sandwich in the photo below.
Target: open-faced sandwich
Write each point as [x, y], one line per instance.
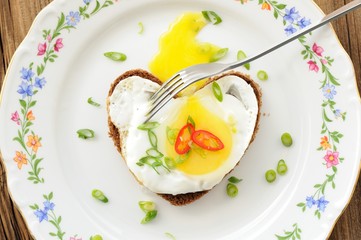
[193, 142]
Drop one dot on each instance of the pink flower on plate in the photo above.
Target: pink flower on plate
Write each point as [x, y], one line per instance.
[49, 38]
[312, 66]
[41, 49]
[331, 158]
[324, 61]
[317, 49]
[58, 44]
[15, 117]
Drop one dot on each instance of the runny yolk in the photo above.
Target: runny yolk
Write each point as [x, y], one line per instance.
[205, 161]
[179, 48]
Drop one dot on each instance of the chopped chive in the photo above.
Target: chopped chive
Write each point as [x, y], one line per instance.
[85, 133]
[212, 17]
[242, 55]
[234, 180]
[286, 139]
[146, 206]
[282, 167]
[181, 158]
[148, 125]
[153, 152]
[219, 54]
[200, 151]
[91, 102]
[141, 28]
[116, 56]
[270, 175]
[97, 194]
[232, 190]
[149, 216]
[170, 236]
[152, 138]
[96, 237]
[217, 91]
[172, 135]
[262, 75]
[170, 163]
[191, 121]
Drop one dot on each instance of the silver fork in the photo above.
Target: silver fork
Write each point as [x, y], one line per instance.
[195, 73]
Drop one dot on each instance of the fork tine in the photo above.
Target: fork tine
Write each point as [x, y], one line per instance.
[168, 97]
[165, 86]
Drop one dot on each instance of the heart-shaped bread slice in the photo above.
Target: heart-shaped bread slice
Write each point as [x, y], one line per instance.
[192, 143]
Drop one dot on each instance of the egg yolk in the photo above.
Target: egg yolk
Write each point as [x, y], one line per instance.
[200, 161]
[179, 48]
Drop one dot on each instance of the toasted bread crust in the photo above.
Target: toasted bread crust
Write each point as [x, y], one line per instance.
[186, 198]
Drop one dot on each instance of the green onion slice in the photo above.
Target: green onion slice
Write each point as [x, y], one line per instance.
[282, 167]
[232, 190]
[172, 135]
[116, 56]
[286, 139]
[242, 55]
[170, 236]
[170, 163]
[149, 216]
[153, 152]
[141, 28]
[217, 91]
[262, 75]
[270, 175]
[146, 206]
[218, 55]
[152, 138]
[85, 133]
[148, 125]
[97, 194]
[191, 121]
[96, 237]
[91, 102]
[212, 17]
[234, 180]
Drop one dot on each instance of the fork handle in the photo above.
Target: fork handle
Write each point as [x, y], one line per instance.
[326, 19]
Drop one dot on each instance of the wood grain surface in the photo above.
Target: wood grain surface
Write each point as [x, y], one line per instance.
[16, 17]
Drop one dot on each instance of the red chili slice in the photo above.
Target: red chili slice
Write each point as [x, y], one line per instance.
[207, 140]
[184, 137]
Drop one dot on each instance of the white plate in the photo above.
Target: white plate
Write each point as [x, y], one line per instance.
[295, 100]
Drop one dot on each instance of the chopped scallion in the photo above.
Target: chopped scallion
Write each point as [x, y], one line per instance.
[153, 139]
[232, 190]
[146, 206]
[97, 194]
[91, 102]
[141, 28]
[170, 236]
[262, 75]
[96, 237]
[212, 17]
[270, 175]
[286, 139]
[116, 56]
[148, 125]
[234, 180]
[217, 91]
[219, 54]
[85, 133]
[149, 216]
[282, 167]
[242, 55]
[191, 121]
[172, 135]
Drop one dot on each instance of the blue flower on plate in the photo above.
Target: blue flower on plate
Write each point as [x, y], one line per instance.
[48, 206]
[303, 22]
[87, 1]
[73, 18]
[310, 201]
[329, 91]
[39, 82]
[41, 215]
[27, 74]
[291, 15]
[290, 30]
[25, 89]
[322, 203]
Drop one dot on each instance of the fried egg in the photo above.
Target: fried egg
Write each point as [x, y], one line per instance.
[232, 120]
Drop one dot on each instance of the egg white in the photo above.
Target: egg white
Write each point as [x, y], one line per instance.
[127, 109]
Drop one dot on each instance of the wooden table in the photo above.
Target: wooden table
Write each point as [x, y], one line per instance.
[16, 17]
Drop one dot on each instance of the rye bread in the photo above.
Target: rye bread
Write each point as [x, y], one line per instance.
[186, 198]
